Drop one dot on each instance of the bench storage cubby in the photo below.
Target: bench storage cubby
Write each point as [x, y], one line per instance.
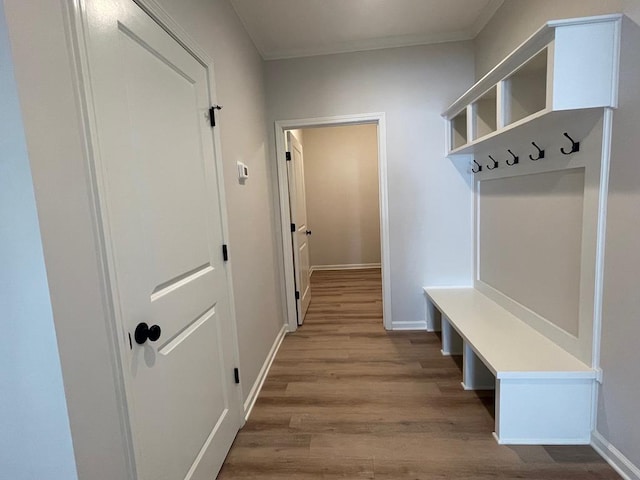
[543, 394]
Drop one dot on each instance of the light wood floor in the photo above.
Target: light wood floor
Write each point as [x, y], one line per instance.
[345, 399]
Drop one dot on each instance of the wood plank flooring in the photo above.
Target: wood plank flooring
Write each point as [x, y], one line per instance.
[346, 399]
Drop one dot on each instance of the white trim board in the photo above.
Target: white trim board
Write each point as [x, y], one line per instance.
[288, 282]
[346, 266]
[614, 457]
[540, 441]
[418, 325]
[262, 375]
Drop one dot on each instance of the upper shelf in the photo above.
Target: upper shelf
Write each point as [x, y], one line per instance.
[566, 65]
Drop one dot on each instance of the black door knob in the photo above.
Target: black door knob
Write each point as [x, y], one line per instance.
[308, 232]
[145, 332]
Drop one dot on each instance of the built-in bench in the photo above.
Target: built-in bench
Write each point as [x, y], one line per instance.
[544, 395]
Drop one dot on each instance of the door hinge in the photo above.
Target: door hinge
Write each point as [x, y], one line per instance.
[236, 375]
[288, 156]
[212, 114]
[293, 227]
[225, 253]
[297, 295]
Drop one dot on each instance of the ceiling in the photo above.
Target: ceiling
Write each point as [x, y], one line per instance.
[299, 28]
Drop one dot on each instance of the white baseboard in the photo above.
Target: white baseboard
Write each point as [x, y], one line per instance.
[349, 266]
[614, 457]
[419, 325]
[264, 371]
[541, 441]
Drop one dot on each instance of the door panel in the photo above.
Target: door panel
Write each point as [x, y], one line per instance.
[300, 239]
[163, 218]
[305, 274]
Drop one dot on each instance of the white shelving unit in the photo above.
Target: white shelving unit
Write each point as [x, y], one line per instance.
[566, 65]
[561, 82]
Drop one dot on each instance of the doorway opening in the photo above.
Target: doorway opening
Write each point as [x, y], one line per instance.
[333, 202]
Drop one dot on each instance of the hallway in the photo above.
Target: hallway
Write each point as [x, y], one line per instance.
[346, 399]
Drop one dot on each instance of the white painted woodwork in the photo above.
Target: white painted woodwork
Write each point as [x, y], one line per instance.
[586, 63]
[618, 433]
[484, 115]
[573, 90]
[300, 239]
[544, 395]
[475, 374]
[237, 83]
[433, 319]
[525, 272]
[580, 71]
[161, 206]
[333, 26]
[459, 130]
[618, 460]
[346, 266]
[452, 343]
[544, 411]
[256, 388]
[525, 91]
[531, 263]
[506, 344]
[281, 129]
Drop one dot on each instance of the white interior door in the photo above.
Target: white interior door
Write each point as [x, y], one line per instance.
[163, 222]
[300, 235]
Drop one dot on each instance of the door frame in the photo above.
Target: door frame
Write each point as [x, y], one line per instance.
[119, 341]
[281, 126]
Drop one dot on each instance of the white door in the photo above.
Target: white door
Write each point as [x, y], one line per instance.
[162, 216]
[301, 232]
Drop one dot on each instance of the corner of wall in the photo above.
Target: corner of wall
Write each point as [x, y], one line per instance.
[614, 457]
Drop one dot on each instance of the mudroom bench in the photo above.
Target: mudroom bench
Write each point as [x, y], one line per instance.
[544, 395]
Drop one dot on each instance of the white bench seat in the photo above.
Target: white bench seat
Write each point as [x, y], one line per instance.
[544, 395]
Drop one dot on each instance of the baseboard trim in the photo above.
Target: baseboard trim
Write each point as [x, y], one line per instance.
[419, 325]
[541, 441]
[349, 266]
[264, 371]
[614, 457]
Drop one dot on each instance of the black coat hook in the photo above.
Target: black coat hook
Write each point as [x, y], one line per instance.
[479, 169]
[515, 160]
[495, 163]
[540, 152]
[575, 146]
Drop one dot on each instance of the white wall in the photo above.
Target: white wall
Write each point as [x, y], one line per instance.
[59, 170]
[618, 407]
[516, 20]
[70, 238]
[35, 438]
[341, 182]
[429, 196]
[618, 419]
